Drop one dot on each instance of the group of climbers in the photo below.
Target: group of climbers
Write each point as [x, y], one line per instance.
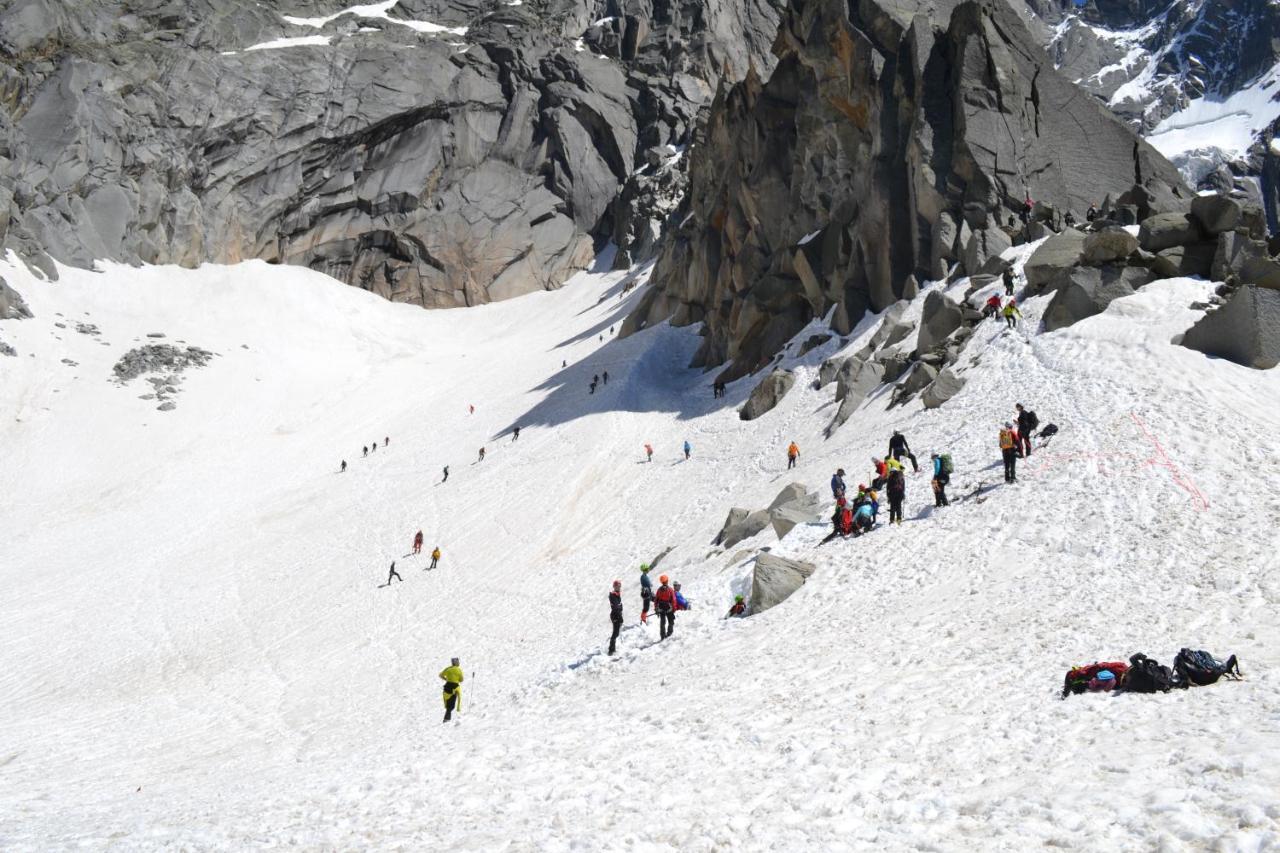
[853, 518]
[364, 452]
[1015, 440]
[667, 600]
[648, 451]
[417, 549]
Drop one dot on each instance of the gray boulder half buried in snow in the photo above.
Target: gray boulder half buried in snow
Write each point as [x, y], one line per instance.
[742, 524]
[1089, 290]
[774, 579]
[946, 386]
[1246, 330]
[767, 394]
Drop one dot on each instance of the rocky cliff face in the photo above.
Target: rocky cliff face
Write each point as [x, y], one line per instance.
[892, 142]
[440, 152]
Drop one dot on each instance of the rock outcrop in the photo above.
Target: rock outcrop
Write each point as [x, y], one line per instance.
[774, 579]
[1246, 330]
[439, 152]
[890, 133]
[767, 394]
[1089, 290]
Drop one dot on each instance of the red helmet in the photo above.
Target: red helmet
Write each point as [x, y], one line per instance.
[617, 583]
[662, 579]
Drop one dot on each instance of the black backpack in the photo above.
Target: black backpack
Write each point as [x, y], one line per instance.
[1201, 668]
[1032, 421]
[1147, 676]
[1050, 431]
[897, 484]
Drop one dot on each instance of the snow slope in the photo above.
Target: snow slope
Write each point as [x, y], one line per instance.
[198, 653]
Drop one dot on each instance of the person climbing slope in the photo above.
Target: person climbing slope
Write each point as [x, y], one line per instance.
[373, 447]
[793, 453]
[481, 459]
[435, 557]
[899, 448]
[452, 675]
[446, 474]
[646, 593]
[393, 574]
[992, 307]
[1009, 450]
[365, 450]
[1007, 276]
[1027, 423]
[615, 614]
[941, 477]
[515, 434]
[664, 604]
[896, 488]
[688, 449]
[605, 377]
[1011, 314]
[417, 542]
[738, 610]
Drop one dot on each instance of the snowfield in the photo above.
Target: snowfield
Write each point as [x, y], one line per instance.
[198, 653]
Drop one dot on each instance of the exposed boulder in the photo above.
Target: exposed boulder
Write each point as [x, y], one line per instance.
[1049, 265]
[12, 305]
[894, 364]
[1166, 230]
[774, 579]
[1089, 291]
[940, 317]
[742, 524]
[920, 377]
[791, 493]
[795, 505]
[1108, 245]
[767, 394]
[1216, 213]
[985, 247]
[1246, 330]
[946, 386]
[861, 382]
[1196, 259]
[828, 370]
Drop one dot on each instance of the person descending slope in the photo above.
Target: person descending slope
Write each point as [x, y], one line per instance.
[837, 484]
[793, 453]
[992, 306]
[1007, 275]
[452, 675]
[515, 434]
[738, 610]
[648, 452]
[688, 449]
[896, 489]
[1011, 314]
[664, 604]
[899, 448]
[1027, 423]
[393, 574]
[435, 557]
[417, 542]
[941, 477]
[646, 592]
[1009, 450]
[615, 614]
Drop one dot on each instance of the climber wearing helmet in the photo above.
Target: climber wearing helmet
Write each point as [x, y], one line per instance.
[738, 610]
[646, 592]
[664, 604]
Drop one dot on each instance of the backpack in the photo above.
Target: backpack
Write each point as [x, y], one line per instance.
[1147, 676]
[897, 485]
[846, 521]
[1049, 431]
[1081, 679]
[1201, 668]
[1006, 439]
[1032, 421]
[947, 467]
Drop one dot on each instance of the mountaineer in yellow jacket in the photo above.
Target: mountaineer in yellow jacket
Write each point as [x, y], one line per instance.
[452, 675]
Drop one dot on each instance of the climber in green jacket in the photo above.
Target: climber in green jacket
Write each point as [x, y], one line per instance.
[452, 675]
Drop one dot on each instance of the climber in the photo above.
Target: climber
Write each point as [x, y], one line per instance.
[738, 610]
[1028, 206]
[864, 517]
[615, 614]
[896, 489]
[343, 469]
[515, 434]
[899, 448]
[1027, 423]
[1009, 450]
[365, 450]
[1092, 213]
[646, 592]
[992, 306]
[682, 603]
[481, 459]
[1069, 220]
[941, 477]
[1011, 314]
[882, 471]
[837, 484]
[793, 452]
[664, 604]
[648, 452]
[393, 574]
[688, 449]
[593, 386]
[386, 440]
[1007, 275]
[417, 542]
[446, 474]
[605, 377]
[373, 446]
[435, 557]
[471, 409]
[452, 675]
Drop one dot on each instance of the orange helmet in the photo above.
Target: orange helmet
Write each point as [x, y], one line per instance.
[663, 579]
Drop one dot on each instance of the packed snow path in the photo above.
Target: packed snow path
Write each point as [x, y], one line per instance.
[198, 652]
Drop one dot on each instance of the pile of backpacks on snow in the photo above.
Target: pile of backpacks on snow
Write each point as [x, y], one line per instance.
[1144, 675]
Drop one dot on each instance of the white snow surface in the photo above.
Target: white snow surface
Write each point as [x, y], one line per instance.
[379, 10]
[293, 41]
[197, 653]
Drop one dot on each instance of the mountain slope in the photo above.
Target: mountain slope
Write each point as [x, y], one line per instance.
[199, 653]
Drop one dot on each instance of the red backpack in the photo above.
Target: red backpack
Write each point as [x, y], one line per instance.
[1082, 679]
[846, 521]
